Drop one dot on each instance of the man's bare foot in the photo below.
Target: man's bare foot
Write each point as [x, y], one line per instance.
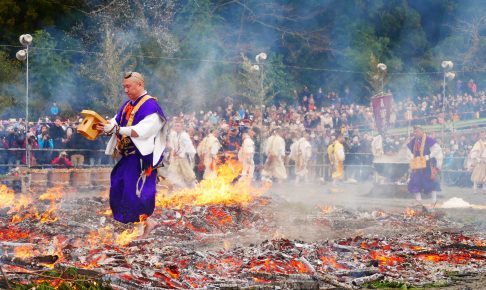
[149, 225]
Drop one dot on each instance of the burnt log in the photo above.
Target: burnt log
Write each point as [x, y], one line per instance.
[36, 262]
[333, 281]
[367, 279]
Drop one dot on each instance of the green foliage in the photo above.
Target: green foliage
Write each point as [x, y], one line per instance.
[68, 279]
[18, 17]
[279, 82]
[9, 74]
[190, 51]
[47, 70]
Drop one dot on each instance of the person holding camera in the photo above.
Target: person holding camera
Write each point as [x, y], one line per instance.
[30, 144]
[46, 143]
[62, 161]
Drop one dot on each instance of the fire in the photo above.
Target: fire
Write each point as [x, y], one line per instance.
[261, 280]
[218, 216]
[331, 261]
[300, 266]
[106, 212]
[222, 190]
[269, 265]
[12, 234]
[457, 258]
[7, 196]
[226, 245]
[48, 217]
[384, 259]
[23, 201]
[129, 235]
[327, 209]
[480, 243]
[105, 194]
[52, 194]
[100, 236]
[23, 251]
[410, 212]
[173, 271]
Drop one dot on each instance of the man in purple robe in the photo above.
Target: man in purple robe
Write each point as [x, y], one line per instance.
[424, 177]
[138, 137]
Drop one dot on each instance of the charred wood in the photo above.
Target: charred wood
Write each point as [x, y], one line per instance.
[367, 279]
[333, 281]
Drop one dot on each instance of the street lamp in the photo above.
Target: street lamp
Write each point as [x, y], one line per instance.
[447, 65]
[23, 55]
[382, 67]
[259, 66]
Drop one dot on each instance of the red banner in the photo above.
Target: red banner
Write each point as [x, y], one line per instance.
[381, 105]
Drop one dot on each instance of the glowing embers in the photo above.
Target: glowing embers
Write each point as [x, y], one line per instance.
[327, 209]
[129, 235]
[272, 264]
[225, 189]
[25, 207]
[409, 212]
[13, 234]
[330, 261]
[458, 257]
[386, 258]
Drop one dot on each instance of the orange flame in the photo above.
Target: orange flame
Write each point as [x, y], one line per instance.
[274, 266]
[218, 216]
[52, 194]
[331, 261]
[327, 209]
[410, 212]
[129, 235]
[386, 259]
[173, 271]
[100, 236]
[220, 190]
[12, 234]
[7, 196]
[23, 251]
[105, 212]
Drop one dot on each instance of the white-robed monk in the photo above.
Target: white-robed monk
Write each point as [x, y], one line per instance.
[300, 152]
[477, 162]
[275, 150]
[208, 153]
[245, 155]
[181, 172]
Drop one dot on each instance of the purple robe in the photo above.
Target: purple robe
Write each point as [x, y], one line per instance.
[421, 179]
[125, 205]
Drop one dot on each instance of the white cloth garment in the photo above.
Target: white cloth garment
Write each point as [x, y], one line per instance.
[152, 137]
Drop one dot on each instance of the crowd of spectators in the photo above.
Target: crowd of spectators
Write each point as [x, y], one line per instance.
[47, 141]
[322, 114]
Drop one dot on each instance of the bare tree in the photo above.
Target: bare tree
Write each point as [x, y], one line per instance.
[473, 30]
[119, 30]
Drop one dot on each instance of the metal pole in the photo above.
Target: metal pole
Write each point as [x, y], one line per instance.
[443, 105]
[382, 89]
[27, 148]
[261, 92]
